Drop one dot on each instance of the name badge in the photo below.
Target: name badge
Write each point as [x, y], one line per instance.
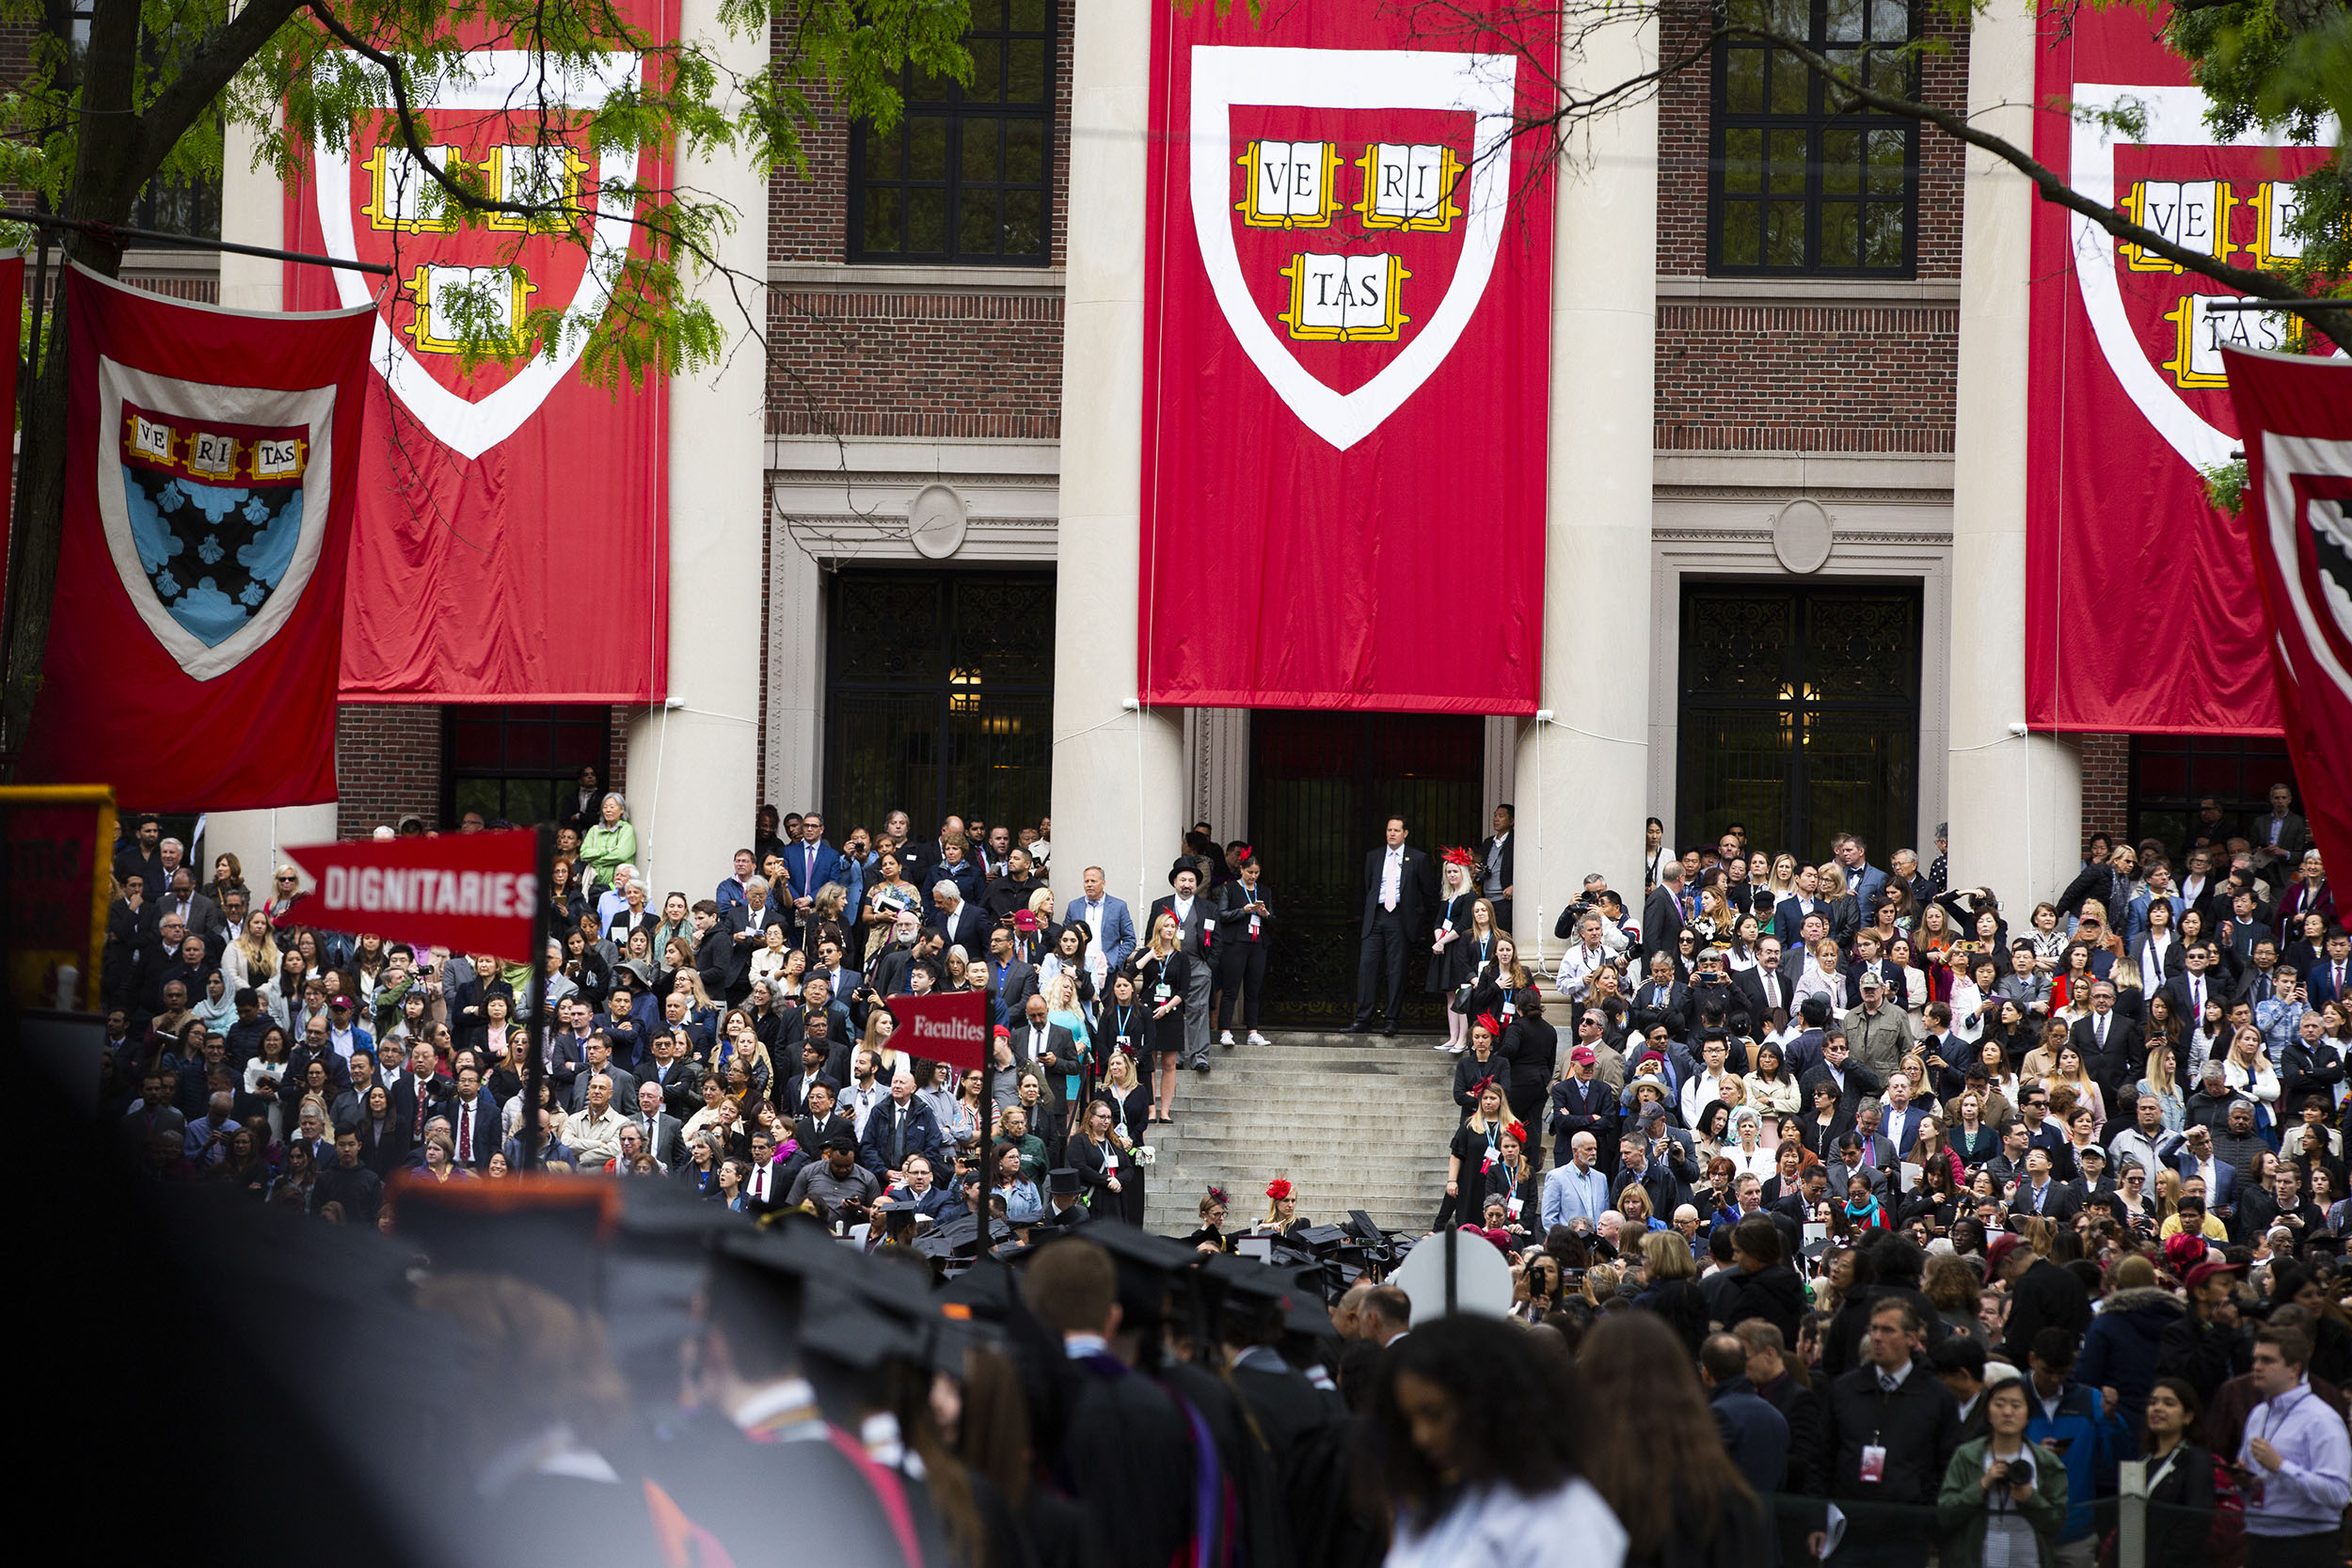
[1160, 993]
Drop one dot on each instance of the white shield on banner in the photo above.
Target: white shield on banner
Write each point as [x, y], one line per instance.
[2307, 503]
[2175, 117]
[494, 81]
[1481, 84]
[214, 503]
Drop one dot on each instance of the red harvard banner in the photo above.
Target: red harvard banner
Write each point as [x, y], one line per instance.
[2297, 415]
[1346, 345]
[513, 523]
[950, 1028]
[2129, 401]
[208, 498]
[471, 892]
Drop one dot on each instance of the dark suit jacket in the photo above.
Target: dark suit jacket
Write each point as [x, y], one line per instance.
[1749, 985]
[969, 929]
[923, 1136]
[1416, 890]
[488, 1136]
[1647, 1013]
[1661, 923]
[720, 961]
[682, 1091]
[1195, 936]
[2119, 1062]
[1788, 920]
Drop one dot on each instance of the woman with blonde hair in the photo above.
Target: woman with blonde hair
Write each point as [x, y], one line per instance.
[2247, 1071]
[1476, 1145]
[1282, 1210]
[1449, 969]
[1061, 1006]
[1162, 970]
[1784, 880]
[1633, 1203]
[250, 961]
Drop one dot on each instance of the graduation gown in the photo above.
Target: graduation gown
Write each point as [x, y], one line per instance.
[1126, 1457]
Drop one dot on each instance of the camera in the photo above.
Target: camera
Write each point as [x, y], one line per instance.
[2021, 1468]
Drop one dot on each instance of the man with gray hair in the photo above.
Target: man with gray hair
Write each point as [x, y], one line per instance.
[595, 1133]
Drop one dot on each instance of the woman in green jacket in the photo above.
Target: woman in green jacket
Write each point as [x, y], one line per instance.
[2004, 1500]
[611, 843]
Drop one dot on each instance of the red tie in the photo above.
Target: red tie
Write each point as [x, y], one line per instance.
[465, 1134]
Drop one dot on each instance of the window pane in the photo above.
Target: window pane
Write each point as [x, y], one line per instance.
[1025, 76]
[927, 88]
[988, 16]
[976, 221]
[1887, 149]
[988, 70]
[926, 222]
[1025, 150]
[979, 161]
[1890, 73]
[884, 216]
[1890, 20]
[475, 744]
[1743, 82]
[1030, 16]
[1750, 13]
[1788, 159]
[1784, 234]
[1024, 223]
[1740, 247]
[1792, 18]
[1841, 163]
[1789, 85]
[927, 148]
[1743, 160]
[886, 152]
[1883, 234]
[1841, 234]
[1845, 21]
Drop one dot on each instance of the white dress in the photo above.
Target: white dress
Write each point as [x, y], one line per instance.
[1493, 1526]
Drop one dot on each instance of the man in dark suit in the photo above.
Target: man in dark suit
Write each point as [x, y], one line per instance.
[1034, 1039]
[898, 1127]
[2279, 835]
[812, 865]
[2109, 1043]
[1662, 999]
[1851, 1079]
[474, 1120]
[959, 922]
[822, 1119]
[2331, 979]
[1398, 888]
[2202, 983]
[1661, 913]
[1582, 1102]
[664, 1134]
[675, 1074]
[1195, 936]
[747, 926]
[1496, 854]
[792, 1088]
[1766, 988]
[1788, 915]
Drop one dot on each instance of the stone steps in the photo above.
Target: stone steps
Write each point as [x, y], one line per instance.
[1353, 1121]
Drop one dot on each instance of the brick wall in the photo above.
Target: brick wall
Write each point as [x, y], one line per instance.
[914, 364]
[387, 763]
[2107, 780]
[1737, 377]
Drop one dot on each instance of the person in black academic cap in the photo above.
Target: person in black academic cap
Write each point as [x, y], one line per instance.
[1125, 1451]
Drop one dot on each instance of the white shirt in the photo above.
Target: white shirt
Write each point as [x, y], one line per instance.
[1391, 876]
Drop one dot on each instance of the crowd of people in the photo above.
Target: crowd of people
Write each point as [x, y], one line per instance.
[1923, 1220]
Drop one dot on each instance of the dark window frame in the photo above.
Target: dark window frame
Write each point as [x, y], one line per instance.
[2259, 761]
[511, 717]
[1819, 121]
[952, 111]
[178, 208]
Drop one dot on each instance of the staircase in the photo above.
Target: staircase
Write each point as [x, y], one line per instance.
[1355, 1121]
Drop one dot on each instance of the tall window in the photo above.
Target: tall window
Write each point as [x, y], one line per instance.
[518, 761]
[963, 176]
[1802, 177]
[2173, 776]
[168, 207]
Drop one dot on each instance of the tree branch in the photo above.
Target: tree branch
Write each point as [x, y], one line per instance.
[204, 76]
[2333, 319]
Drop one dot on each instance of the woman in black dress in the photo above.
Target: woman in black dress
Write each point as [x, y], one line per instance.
[1476, 1149]
[1530, 1048]
[1480, 1066]
[1513, 1178]
[1131, 1108]
[1162, 970]
[1124, 1029]
[1449, 956]
[1094, 1152]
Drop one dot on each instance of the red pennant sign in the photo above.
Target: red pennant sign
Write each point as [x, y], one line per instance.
[2296, 414]
[951, 1028]
[471, 892]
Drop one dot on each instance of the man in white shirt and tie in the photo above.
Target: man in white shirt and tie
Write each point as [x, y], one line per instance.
[1765, 989]
[1398, 891]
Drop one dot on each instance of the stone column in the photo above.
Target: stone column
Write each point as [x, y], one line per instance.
[1582, 776]
[693, 765]
[1118, 771]
[252, 211]
[2015, 799]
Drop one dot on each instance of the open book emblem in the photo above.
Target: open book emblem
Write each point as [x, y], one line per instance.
[523, 127]
[1349, 205]
[2231, 200]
